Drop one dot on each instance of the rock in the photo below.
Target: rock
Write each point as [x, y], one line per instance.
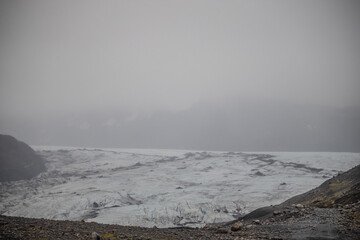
[299, 206]
[257, 222]
[276, 212]
[237, 226]
[95, 205]
[95, 236]
[258, 173]
[17, 160]
[221, 230]
[207, 226]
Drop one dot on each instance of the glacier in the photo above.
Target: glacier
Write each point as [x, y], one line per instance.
[165, 188]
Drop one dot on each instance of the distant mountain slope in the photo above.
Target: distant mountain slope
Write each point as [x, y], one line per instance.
[17, 160]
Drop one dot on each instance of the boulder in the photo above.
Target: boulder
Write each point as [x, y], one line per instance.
[276, 212]
[95, 236]
[237, 226]
[222, 230]
[17, 160]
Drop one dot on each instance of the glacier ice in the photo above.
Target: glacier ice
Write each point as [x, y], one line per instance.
[164, 188]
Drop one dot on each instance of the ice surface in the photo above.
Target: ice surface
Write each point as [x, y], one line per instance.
[164, 188]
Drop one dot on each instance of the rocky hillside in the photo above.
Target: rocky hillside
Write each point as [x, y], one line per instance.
[340, 190]
[330, 211]
[18, 160]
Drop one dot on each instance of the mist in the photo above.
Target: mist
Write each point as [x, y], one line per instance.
[204, 75]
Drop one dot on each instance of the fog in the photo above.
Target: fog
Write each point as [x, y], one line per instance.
[206, 75]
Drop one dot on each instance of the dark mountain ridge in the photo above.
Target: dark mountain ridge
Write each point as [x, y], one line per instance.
[17, 160]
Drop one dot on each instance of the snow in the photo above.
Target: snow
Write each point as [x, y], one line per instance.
[164, 188]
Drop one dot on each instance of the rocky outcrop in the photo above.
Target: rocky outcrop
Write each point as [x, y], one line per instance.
[340, 190]
[18, 160]
[335, 192]
[330, 211]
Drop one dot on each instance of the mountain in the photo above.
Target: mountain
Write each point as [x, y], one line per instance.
[18, 160]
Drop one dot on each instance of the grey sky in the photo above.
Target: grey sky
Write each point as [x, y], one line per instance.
[65, 57]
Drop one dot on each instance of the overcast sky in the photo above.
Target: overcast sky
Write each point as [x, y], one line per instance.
[63, 57]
